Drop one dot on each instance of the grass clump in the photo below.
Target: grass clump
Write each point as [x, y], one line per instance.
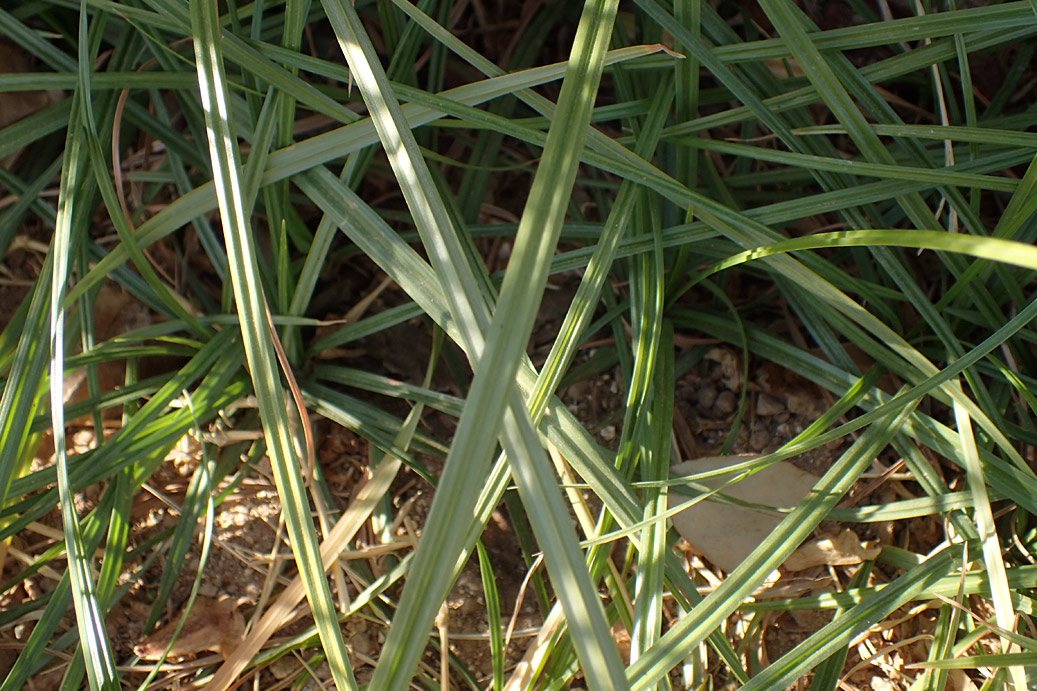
[394, 283]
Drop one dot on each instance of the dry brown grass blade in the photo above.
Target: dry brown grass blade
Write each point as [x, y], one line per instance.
[331, 550]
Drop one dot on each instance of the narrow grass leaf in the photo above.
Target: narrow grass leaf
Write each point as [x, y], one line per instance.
[493, 616]
[868, 612]
[97, 653]
[984, 516]
[690, 631]
[257, 337]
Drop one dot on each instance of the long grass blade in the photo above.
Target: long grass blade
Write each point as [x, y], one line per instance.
[477, 429]
[257, 334]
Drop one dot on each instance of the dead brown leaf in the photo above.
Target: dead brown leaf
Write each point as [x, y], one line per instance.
[844, 549]
[212, 625]
[726, 534]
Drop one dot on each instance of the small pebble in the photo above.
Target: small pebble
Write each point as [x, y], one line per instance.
[767, 405]
[802, 404]
[725, 404]
[759, 439]
[707, 396]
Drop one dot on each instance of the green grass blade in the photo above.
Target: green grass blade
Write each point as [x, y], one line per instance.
[100, 663]
[415, 276]
[493, 616]
[257, 337]
[691, 630]
[831, 637]
[984, 516]
[477, 429]
[655, 430]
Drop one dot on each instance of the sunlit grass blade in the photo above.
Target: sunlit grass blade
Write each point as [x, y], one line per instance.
[995, 249]
[691, 630]
[477, 428]
[100, 663]
[22, 388]
[655, 443]
[351, 521]
[467, 302]
[991, 546]
[758, 207]
[861, 168]
[34, 653]
[257, 336]
[493, 616]
[340, 142]
[829, 638]
[415, 276]
[584, 303]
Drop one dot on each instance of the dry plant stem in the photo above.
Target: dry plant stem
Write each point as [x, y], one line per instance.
[303, 417]
[333, 546]
[7, 549]
[360, 308]
[964, 196]
[121, 194]
[977, 620]
[520, 598]
[337, 574]
[873, 655]
[537, 653]
[117, 156]
[443, 627]
[309, 452]
[273, 573]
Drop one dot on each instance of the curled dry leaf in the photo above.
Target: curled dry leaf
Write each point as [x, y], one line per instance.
[844, 549]
[212, 625]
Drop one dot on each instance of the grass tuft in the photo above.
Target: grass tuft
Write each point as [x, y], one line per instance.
[487, 271]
